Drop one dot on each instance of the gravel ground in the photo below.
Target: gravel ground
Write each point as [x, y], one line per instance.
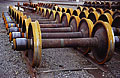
[13, 66]
[11, 63]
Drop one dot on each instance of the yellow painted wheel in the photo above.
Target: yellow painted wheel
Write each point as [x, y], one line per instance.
[106, 17]
[65, 19]
[80, 8]
[76, 12]
[22, 18]
[84, 14]
[74, 23]
[104, 53]
[16, 13]
[64, 10]
[52, 15]
[86, 2]
[91, 9]
[48, 13]
[93, 16]
[90, 2]
[108, 11]
[44, 12]
[40, 10]
[59, 9]
[35, 53]
[85, 8]
[100, 10]
[25, 26]
[18, 16]
[58, 16]
[37, 9]
[55, 8]
[70, 11]
[86, 27]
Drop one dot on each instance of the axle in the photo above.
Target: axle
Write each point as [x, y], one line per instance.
[22, 44]
[15, 35]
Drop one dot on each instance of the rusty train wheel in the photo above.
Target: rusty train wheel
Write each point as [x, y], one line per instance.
[89, 3]
[64, 10]
[70, 11]
[65, 19]
[106, 17]
[58, 16]
[55, 8]
[93, 3]
[25, 26]
[100, 10]
[85, 8]
[93, 17]
[34, 54]
[80, 8]
[84, 14]
[103, 32]
[52, 15]
[48, 13]
[74, 23]
[86, 27]
[40, 11]
[108, 5]
[91, 9]
[86, 2]
[18, 17]
[59, 9]
[22, 18]
[44, 12]
[108, 11]
[76, 12]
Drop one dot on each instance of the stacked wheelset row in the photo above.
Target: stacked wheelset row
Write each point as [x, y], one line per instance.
[90, 13]
[82, 12]
[102, 4]
[94, 15]
[35, 38]
[46, 5]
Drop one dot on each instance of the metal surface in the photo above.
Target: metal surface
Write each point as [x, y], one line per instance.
[62, 35]
[104, 33]
[103, 67]
[86, 27]
[63, 43]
